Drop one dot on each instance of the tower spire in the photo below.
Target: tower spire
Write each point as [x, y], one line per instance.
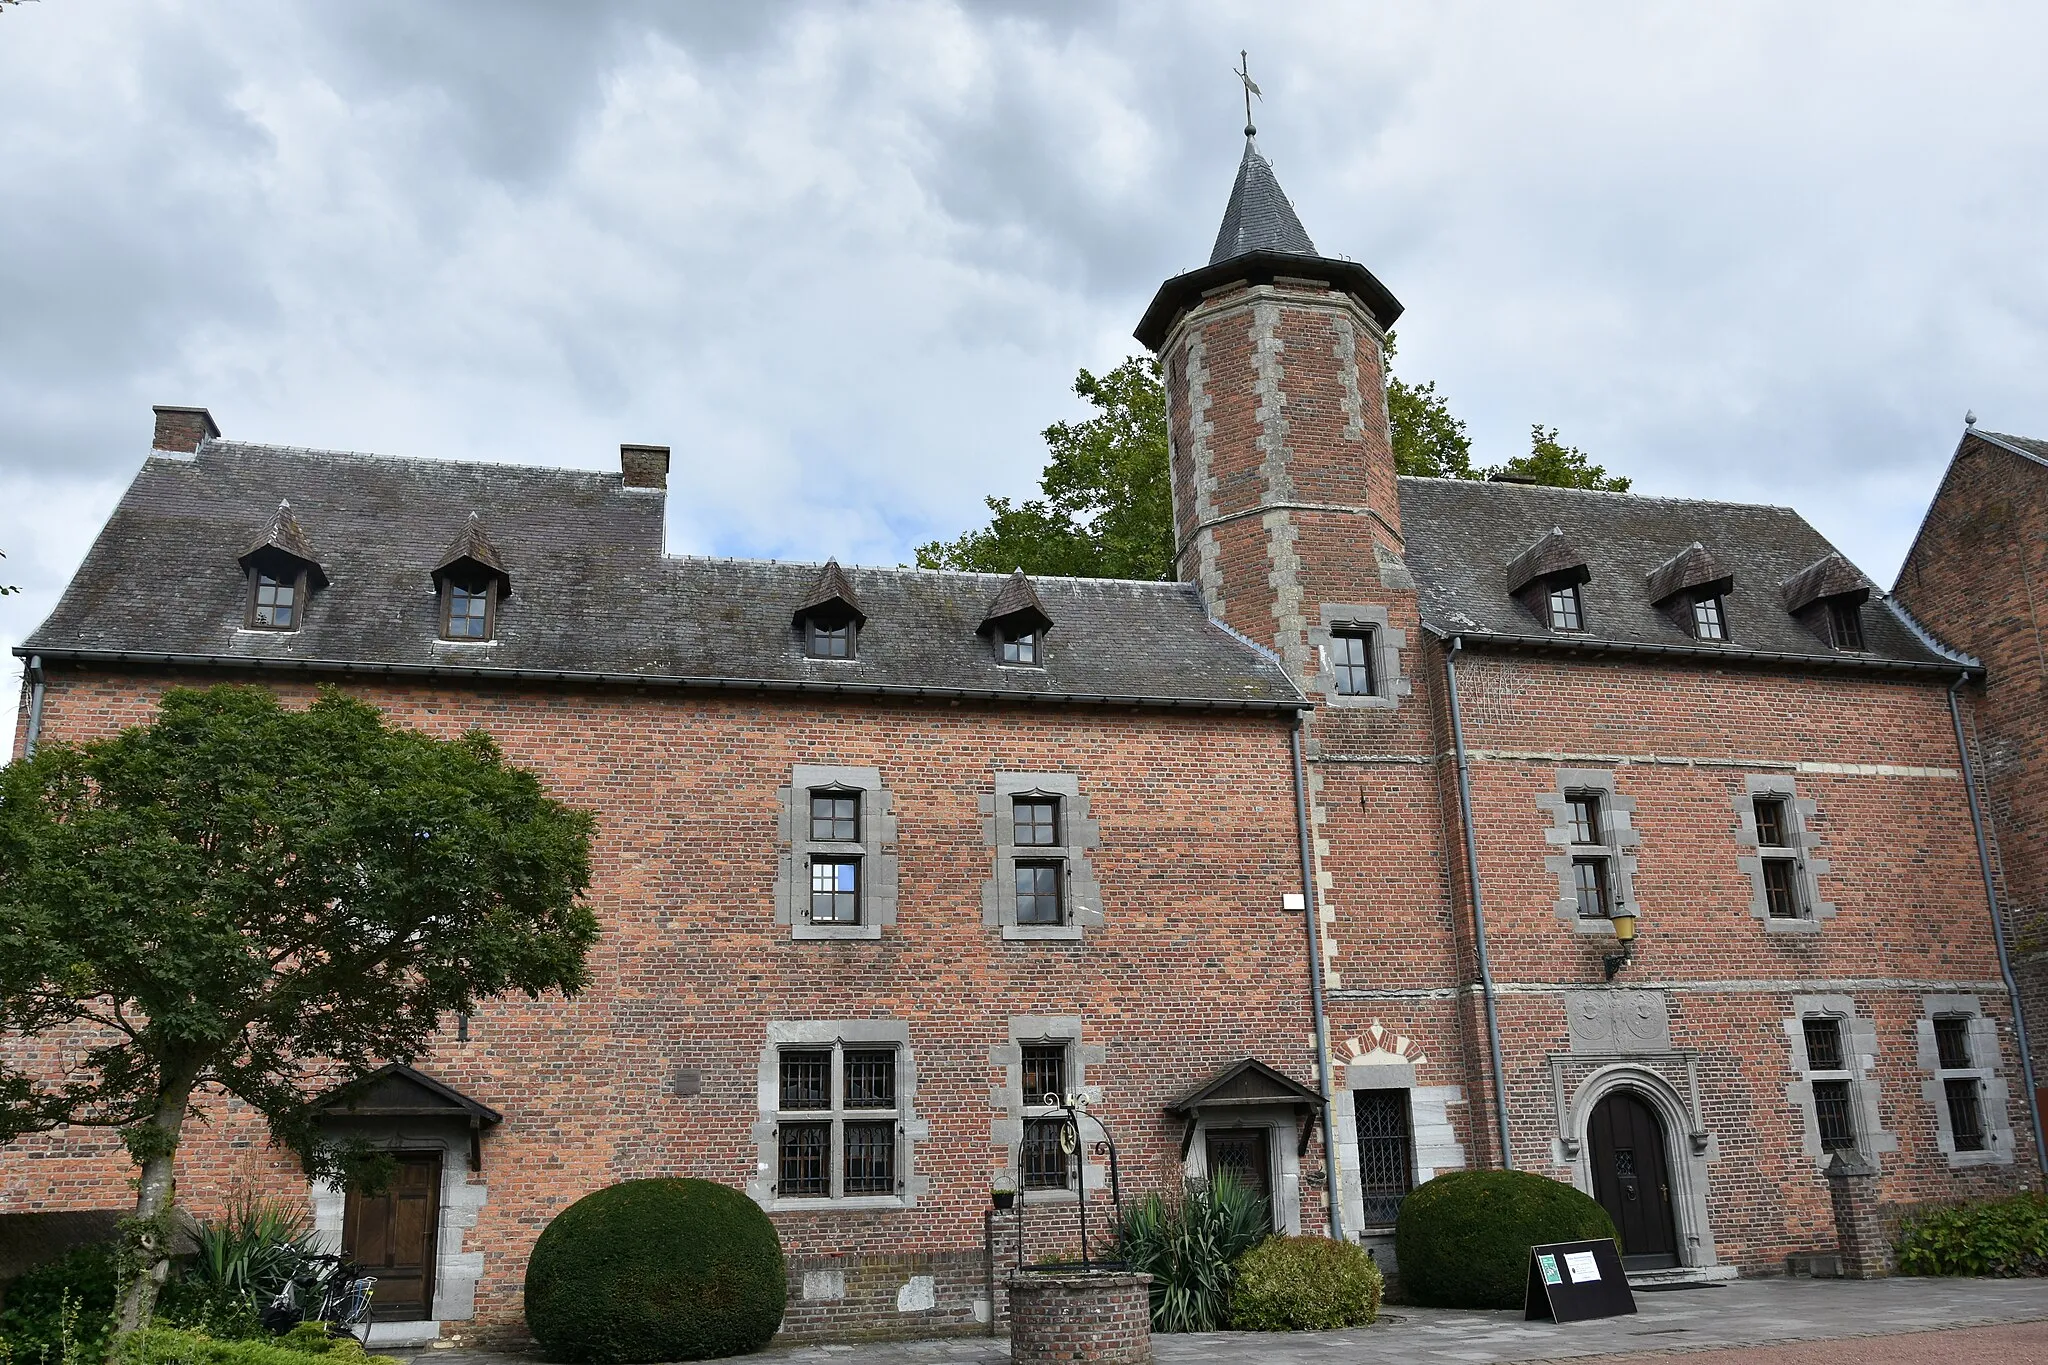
[1243, 72]
[1258, 217]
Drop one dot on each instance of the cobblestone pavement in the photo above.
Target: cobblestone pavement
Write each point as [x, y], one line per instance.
[1896, 1321]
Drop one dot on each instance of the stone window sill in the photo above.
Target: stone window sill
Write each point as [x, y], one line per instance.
[1990, 1156]
[831, 932]
[1803, 925]
[1042, 933]
[1593, 926]
[866, 1203]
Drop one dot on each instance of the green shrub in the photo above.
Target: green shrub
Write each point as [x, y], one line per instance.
[656, 1270]
[71, 1297]
[1304, 1284]
[1187, 1245]
[160, 1345]
[239, 1265]
[2002, 1237]
[1463, 1239]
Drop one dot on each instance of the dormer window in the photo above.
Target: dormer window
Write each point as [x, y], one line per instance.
[471, 580]
[1845, 624]
[1707, 620]
[1017, 622]
[282, 570]
[1545, 578]
[829, 619]
[828, 642]
[274, 601]
[1021, 648]
[1828, 596]
[1564, 607]
[1691, 590]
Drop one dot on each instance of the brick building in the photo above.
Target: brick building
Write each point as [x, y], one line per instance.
[885, 854]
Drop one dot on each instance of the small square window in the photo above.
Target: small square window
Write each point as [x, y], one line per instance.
[1823, 1044]
[276, 603]
[835, 817]
[1021, 648]
[1589, 879]
[1038, 894]
[1952, 1043]
[1707, 620]
[1781, 888]
[1965, 1113]
[870, 1158]
[1037, 821]
[468, 613]
[835, 891]
[1564, 607]
[1046, 1160]
[1834, 1116]
[828, 642]
[1045, 1071]
[1845, 625]
[871, 1078]
[805, 1080]
[1583, 810]
[1351, 662]
[804, 1166]
[1773, 830]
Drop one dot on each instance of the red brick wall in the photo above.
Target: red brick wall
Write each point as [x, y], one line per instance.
[1195, 966]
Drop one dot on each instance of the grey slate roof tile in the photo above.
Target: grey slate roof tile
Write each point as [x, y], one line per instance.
[1258, 216]
[597, 595]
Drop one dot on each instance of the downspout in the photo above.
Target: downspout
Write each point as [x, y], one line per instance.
[2012, 989]
[1500, 1089]
[35, 706]
[1315, 983]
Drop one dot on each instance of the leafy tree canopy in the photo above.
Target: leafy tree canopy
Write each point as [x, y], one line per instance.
[265, 902]
[1107, 505]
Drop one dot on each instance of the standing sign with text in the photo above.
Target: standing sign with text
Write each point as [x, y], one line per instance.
[1573, 1281]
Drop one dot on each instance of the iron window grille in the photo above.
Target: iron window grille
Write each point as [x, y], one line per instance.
[1833, 1115]
[1351, 662]
[835, 890]
[843, 1101]
[1962, 1093]
[1952, 1043]
[1021, 648]
[1047, 1164]
[1038, 894]
[835, 817]
[1564, 607]
[822, 641]
[1845, 625]
[1708, 620]
[274, 602]
[466, 612]
[1823, 1044]
[1386, 1158]
[1035, 821]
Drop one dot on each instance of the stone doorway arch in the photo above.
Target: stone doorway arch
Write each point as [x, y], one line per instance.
[1685, 1147]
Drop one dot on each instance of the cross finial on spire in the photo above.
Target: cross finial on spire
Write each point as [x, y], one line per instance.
[1243, 71]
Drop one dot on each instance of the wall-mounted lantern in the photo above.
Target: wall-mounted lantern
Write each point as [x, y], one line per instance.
[1625, 934]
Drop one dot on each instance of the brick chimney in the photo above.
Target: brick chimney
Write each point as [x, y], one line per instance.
[644, 466]
[182, 430]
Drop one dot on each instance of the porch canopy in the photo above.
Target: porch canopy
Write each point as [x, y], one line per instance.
[1246, 1084]
[396, 1091]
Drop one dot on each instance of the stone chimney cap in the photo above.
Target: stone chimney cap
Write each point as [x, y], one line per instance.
[182, 430]
[644, 466]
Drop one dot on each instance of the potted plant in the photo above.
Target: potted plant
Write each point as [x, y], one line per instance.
[1004, 1193]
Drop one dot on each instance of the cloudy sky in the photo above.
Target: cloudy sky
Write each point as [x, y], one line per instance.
[847, 258]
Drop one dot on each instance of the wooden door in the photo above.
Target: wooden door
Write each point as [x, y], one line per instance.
[392, 1236]
[1246, 1154]
[1632, 1180]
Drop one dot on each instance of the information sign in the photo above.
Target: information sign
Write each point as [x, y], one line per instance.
[1573, 1281]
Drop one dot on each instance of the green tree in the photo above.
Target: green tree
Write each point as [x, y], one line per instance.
[260, 902]
[1429, 442]
[1558, 465]
[1107, 509]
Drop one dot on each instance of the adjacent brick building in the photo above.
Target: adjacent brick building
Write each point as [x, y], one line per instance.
[884, 855]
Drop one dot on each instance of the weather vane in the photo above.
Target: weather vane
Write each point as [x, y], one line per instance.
[1251, 87]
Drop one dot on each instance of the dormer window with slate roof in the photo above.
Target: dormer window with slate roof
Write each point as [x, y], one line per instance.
[1827, 597]
[829, 618]
[1691, 589]
[1545, 578]
[282, 570]
[471, 578]
[1017, 621]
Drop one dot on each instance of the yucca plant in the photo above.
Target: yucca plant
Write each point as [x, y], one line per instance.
[1189, 1244]
[243, 1260]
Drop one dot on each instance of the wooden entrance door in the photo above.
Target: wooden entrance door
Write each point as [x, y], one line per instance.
[1632, 1180]
[1247, 1154]
[392, 1236]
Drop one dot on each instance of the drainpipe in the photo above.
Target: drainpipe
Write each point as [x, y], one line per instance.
[1500, 1089]
[1315, 983]
[35, 706]
[2012, 989]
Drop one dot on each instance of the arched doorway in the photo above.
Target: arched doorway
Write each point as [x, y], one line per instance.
[1632, 1178]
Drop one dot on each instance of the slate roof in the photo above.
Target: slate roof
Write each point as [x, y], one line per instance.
[1258, 216]
[598, 598]
[1463, 536]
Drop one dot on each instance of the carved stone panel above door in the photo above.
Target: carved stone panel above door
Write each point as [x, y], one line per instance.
[1618, 1023]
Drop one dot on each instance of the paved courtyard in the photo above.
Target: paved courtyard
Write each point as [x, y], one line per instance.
[1884, 1322]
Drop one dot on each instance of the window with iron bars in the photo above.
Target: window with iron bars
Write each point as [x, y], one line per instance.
[837, 1122]
[1386, 1157]
[1833, 1096]
[1048, 1165]
[1963, 1094]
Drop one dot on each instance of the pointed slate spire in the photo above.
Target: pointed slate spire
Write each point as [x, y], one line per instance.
[285, 539]
[831, 598]
[1016, 609]
[1258, 217]
[471, 552]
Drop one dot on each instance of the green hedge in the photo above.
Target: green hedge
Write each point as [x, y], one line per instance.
[303, 1345]
[656, 1270]
[1304, 1284]
[1463, 1239]
[32, 1326]
[2001, 1237]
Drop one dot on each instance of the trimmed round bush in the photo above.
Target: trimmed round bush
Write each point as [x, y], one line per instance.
[1304, 1284]
[1463, 1238]
[656, 1270]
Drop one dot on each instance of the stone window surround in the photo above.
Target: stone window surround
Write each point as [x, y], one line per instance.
[911, 1130]
[1079, 832]
[1433, 1141]
[1390, 684]
[463, 1194]
[1283, 1155]
[1859, 1042]
[1799, 811]
[1619, 837]
[1006, 1130]
[876, 847]
[1993, 1098]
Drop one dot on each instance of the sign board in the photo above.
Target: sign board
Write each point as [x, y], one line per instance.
[1572, 1281]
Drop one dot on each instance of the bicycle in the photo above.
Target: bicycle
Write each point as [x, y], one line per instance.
[338, 1286]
